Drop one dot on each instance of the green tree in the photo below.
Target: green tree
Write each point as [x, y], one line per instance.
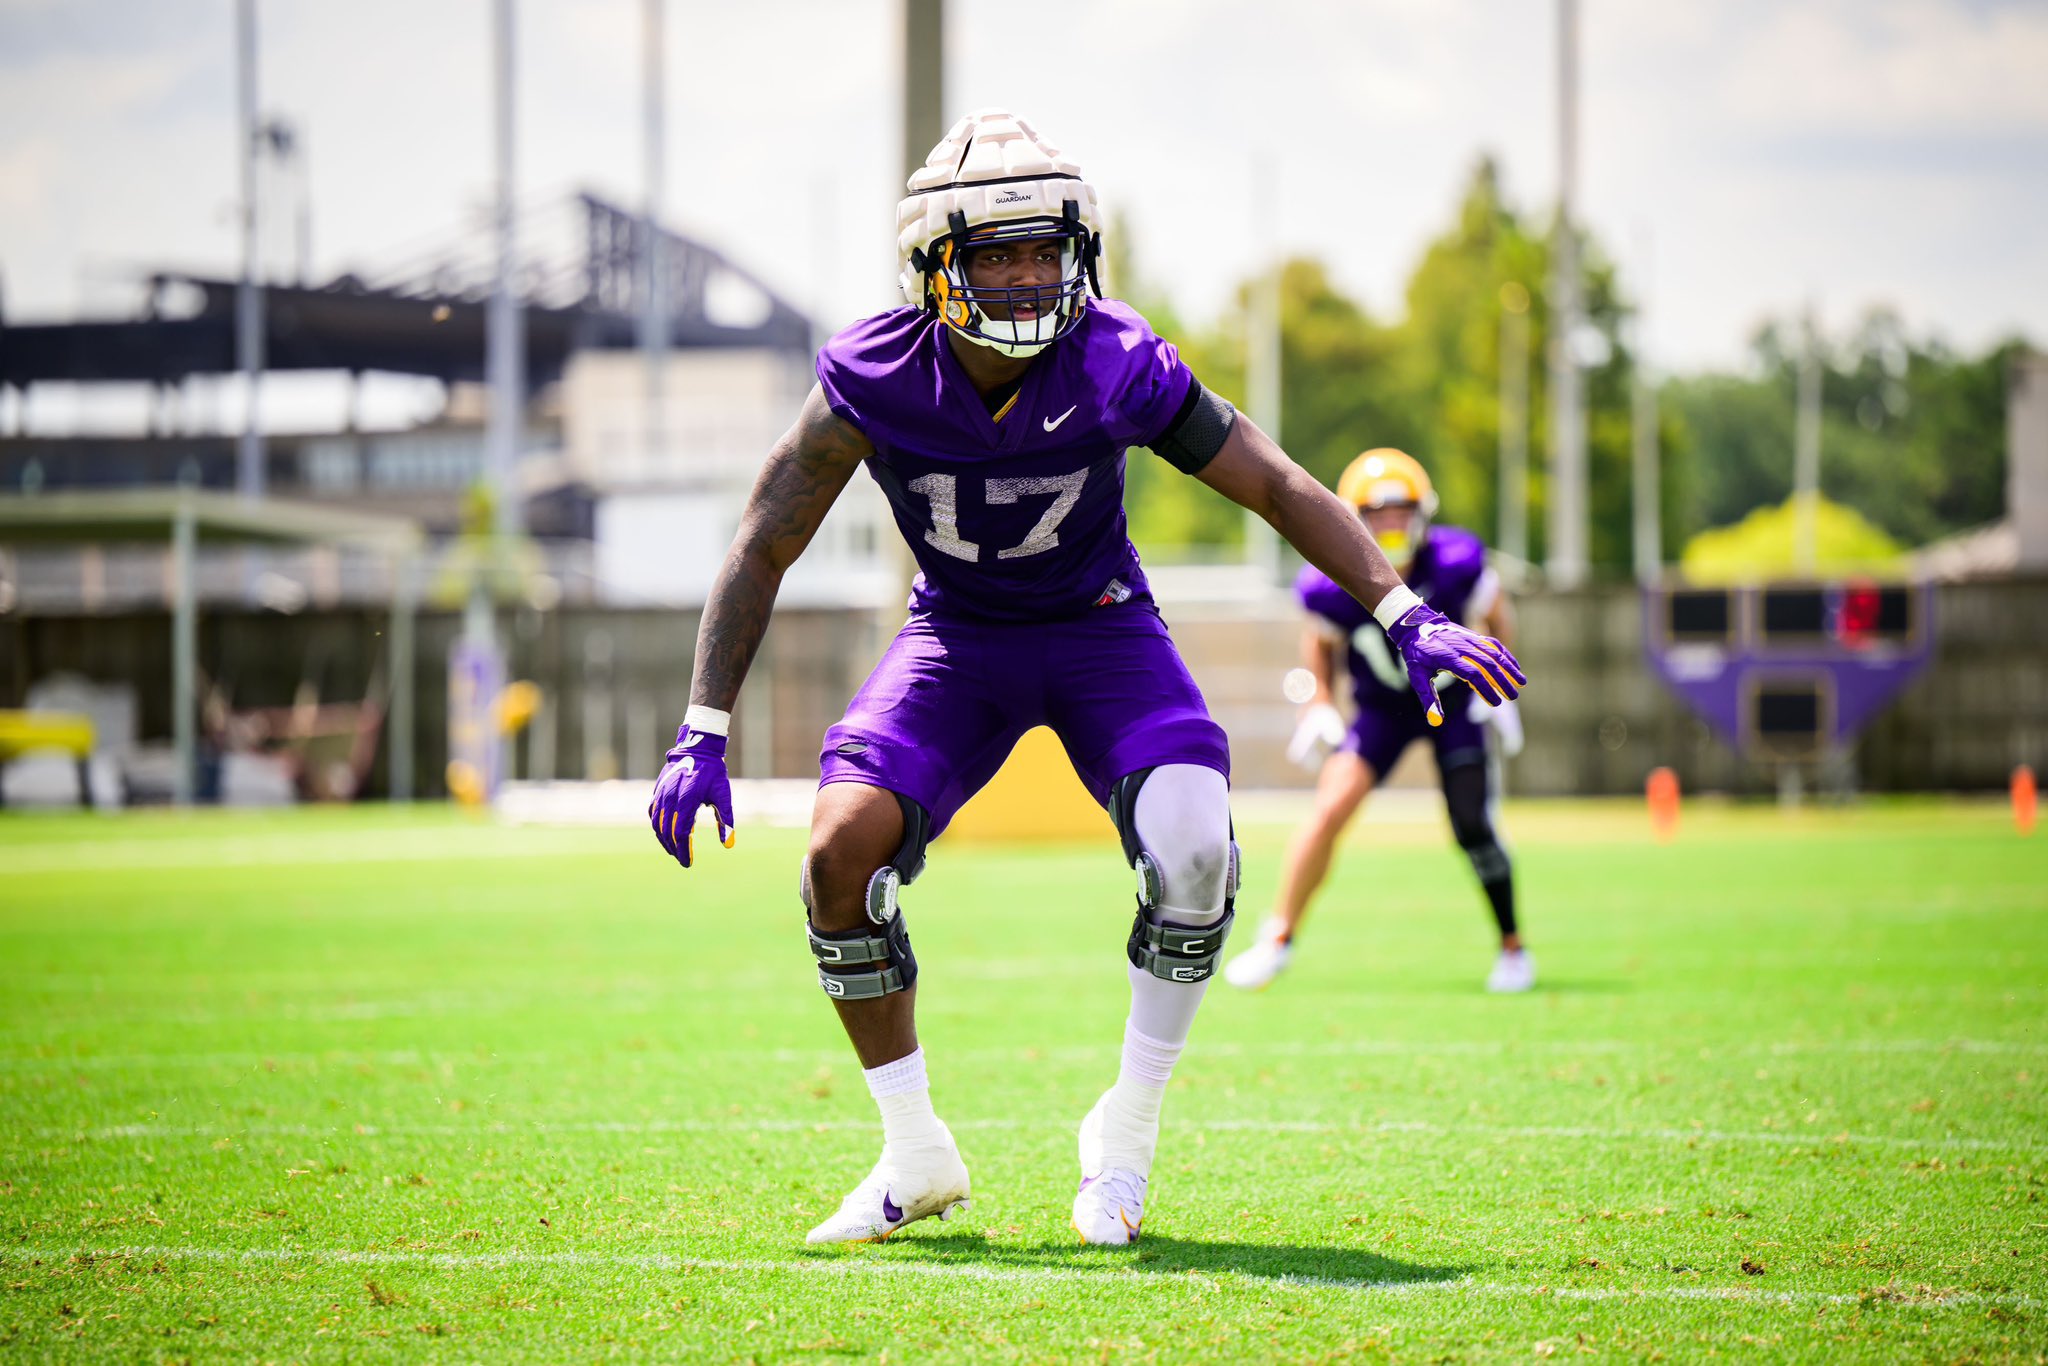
[1171, 516]
[1764, 544]
[1450, 350]
[1441, 385]
[1912, 435]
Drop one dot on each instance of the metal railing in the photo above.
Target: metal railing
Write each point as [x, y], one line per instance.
[93, 580]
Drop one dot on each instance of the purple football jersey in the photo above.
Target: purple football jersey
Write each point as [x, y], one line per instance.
[1017, 518]
[1446, 574]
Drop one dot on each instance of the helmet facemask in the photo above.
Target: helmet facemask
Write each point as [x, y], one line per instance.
[988, 314]
[992, 179]
[1399, 536]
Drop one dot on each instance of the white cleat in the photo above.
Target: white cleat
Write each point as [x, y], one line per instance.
[1257, 966]
[1513, 971]
[902, 1189]
[1110, 1205]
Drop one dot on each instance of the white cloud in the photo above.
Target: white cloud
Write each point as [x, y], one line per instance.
[1849, 153]
[101, 167]
[1869, 67]
[1773, 149]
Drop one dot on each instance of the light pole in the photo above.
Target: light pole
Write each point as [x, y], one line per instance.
[654, 283]
[1514, 422]
[249, 455]
[924, 80]
[1566, 559]
[1263, 357]
[504, 363]
[1644, 488]
[1806, 452]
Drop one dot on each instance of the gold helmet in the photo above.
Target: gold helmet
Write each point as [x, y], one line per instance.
[1387, 478]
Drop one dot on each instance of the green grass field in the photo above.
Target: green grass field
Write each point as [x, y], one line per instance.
[361, 1085]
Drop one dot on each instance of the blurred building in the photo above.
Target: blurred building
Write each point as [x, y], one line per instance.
[667, 466]
[630, 475]
[2017, 543]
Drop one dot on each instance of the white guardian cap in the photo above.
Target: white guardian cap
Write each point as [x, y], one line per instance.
[992, 178]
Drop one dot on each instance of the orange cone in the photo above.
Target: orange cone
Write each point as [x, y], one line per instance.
[1662, 790]
[2024, 796]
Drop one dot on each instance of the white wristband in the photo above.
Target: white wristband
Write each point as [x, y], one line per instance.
[1395, 605]
[708, 720]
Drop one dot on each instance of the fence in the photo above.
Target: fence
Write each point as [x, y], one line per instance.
[617, 681]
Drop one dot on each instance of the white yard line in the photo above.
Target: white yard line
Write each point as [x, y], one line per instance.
[830, 1056]
[656, 1128]
[266, 851]
[883, 1264]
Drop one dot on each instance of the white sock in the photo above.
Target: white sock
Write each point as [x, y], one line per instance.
[1130, 1119]
[1130, 1112]
[904, 1097]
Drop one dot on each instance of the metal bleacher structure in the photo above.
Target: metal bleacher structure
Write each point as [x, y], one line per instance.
[419, 312]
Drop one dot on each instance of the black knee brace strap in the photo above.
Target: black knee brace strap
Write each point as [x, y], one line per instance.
[884, 959]
[1177, 953]
[1173, 953]
[863, 964]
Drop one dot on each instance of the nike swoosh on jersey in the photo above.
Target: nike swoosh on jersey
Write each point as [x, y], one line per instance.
[1052, 422]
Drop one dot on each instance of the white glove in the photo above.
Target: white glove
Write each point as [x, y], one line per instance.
[1506, 720]
[1321, 728]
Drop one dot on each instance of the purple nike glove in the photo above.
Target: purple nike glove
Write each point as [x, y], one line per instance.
[694, 776]
[1430, 643]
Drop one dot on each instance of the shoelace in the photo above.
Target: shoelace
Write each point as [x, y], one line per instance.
[1125, 1187]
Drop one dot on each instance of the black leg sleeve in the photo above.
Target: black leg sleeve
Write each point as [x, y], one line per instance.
[1465, 794]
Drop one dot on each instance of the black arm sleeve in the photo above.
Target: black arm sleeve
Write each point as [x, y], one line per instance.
[1196, 432]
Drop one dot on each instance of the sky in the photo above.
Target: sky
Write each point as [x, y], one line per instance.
[1740, 158]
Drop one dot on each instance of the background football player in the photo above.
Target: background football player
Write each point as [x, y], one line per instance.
[995, 411]
[1447, 567]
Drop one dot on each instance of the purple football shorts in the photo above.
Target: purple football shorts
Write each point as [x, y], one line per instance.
[1382, 730]
[951, 696]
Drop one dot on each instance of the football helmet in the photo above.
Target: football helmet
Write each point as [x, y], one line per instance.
[1387, 478]
[992, 178]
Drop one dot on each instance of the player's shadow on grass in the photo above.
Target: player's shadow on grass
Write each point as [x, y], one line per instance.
[1163, 1256]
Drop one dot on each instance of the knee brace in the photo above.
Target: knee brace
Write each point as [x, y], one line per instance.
[1171, 951]
[864, 964]
[1466, 797]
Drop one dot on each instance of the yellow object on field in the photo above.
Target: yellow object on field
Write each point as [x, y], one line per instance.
[465, 784]
[23, 732]
[515, 705]
[1034, 796]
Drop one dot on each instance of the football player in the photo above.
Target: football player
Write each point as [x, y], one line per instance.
[995, 410]
[1446, 567]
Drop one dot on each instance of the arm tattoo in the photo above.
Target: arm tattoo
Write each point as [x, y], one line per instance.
[798, 484]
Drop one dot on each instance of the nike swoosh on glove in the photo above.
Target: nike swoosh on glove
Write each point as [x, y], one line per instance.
[1430, 643]
[693, 777]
